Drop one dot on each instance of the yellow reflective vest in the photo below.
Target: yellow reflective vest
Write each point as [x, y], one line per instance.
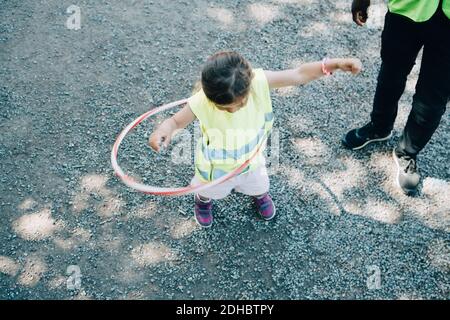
[418, 10]
[229, 139]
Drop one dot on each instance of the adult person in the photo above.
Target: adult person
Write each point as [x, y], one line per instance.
[409, 26]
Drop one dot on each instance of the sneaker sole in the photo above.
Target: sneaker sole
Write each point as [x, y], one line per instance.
[201, 225]
[408, 192]
[373, 140]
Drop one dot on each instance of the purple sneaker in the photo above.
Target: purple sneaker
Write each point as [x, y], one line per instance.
[203, 212]
[266, 208]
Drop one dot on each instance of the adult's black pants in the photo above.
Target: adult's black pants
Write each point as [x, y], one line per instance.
[402, 39]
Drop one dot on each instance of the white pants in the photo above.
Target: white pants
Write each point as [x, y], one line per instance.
[252, 183]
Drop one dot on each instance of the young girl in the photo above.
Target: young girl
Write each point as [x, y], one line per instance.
[235, 114]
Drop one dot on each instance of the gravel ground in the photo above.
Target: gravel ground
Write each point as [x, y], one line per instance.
[66, 94]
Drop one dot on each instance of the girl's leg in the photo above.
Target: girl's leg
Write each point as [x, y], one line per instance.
[203, 201]
[256, 184]
[217, 192]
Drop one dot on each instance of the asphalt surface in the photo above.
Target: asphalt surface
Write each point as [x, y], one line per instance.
[343, 230]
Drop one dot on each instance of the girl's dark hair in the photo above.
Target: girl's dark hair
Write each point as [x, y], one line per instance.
[226, 76]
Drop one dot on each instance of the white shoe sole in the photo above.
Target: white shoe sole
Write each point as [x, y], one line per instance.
[374, 140]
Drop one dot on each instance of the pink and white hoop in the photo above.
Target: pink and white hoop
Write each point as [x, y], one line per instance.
[132, 183]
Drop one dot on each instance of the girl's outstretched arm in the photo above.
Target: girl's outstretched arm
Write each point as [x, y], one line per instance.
[311, 71]
[163, 134]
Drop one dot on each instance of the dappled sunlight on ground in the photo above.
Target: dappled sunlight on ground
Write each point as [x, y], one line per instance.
[152, 253]
[183, 228]
[311, 188]
[28, 204]
[37, 226]
[263, 13]
[80, 202]
[144, 211]
[123, 259]
[93, 183]
[33, 270]
[432, 205]
[93, 187]
[352, 175]
[224, 16]
[256, 13]
[178, 224]
[332, 187]
[111, 206]
[8, 266]
[312, 150]
[78, 236]
[342, 5]
[58, 282]
[315, 29]
[375, 209]
[296, 178]
[439, 255]
[300, 123]
[340, 17]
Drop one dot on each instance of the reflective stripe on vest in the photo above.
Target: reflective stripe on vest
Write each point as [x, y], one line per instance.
[222, 154]
[217, 173]
[228, 139]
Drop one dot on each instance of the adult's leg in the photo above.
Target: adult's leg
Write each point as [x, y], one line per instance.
[432, 89]
[401, 41]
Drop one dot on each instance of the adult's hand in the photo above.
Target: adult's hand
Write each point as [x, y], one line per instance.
[359, 11]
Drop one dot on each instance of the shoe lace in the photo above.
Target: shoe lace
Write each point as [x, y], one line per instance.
[411, 167]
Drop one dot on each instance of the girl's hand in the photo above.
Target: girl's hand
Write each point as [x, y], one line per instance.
[352, 65]
[159, 138]
[163, 134]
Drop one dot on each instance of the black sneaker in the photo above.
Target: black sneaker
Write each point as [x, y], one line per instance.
[407, 176]
[359, 138]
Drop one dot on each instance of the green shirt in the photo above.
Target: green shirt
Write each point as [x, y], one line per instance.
[418, 10]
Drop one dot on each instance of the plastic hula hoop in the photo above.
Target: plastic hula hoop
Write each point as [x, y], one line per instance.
[132, 183]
